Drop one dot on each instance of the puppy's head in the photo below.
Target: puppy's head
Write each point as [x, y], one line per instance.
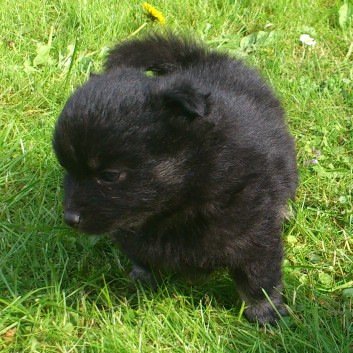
[131, 148]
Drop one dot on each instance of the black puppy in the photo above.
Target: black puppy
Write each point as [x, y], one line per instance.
[189, 169]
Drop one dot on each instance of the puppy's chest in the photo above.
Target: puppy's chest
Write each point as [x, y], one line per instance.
[176, 250]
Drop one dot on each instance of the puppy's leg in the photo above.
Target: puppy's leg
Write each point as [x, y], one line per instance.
[261, 274]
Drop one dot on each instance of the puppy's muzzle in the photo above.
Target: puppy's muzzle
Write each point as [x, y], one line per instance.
[72, 218]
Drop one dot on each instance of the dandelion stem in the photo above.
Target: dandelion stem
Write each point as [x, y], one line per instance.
[350, 51]
[138, 30]
[50, 36]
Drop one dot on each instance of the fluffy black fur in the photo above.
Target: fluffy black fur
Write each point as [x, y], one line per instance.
[189, 170]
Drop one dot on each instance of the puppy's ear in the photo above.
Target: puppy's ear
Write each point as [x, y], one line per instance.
[183, 99]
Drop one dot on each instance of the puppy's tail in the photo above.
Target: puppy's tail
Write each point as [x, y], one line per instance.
[161, 54]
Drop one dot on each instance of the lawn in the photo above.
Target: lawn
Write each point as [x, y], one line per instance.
[65, 292]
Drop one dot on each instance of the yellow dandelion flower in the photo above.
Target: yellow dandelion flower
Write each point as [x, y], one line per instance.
[154, 13]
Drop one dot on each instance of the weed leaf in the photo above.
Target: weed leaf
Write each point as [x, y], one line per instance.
[43, 55]
[347, 293]
[345, 14]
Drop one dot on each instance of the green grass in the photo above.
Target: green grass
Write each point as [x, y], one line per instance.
[64, 292]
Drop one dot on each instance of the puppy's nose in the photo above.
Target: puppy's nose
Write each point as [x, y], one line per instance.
[71, 218]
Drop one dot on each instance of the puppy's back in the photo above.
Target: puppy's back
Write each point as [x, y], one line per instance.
[168, 55]
[159, 53]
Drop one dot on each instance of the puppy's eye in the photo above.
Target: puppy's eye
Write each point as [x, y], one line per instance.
[111, 176]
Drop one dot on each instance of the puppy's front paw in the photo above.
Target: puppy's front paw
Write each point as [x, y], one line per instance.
[264, 313]
[139, 274]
